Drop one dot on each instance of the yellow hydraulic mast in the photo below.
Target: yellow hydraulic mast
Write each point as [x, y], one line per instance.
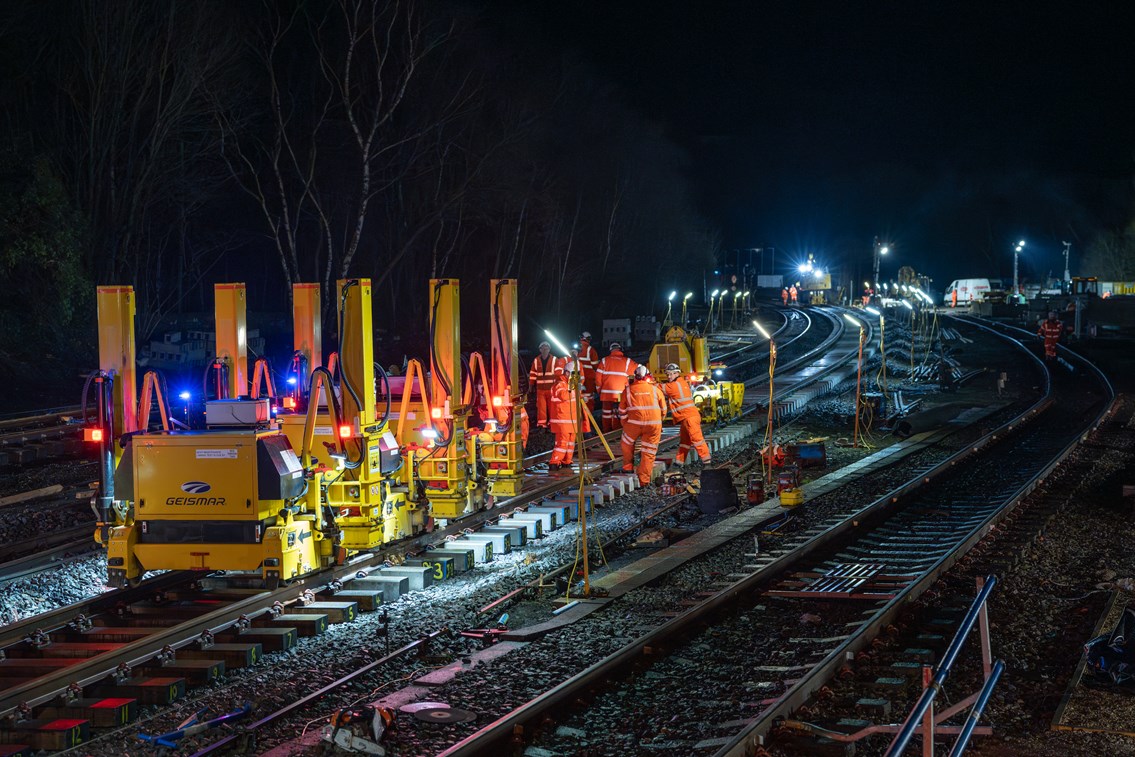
[504, 457]
[364, 488]
[306, 329]
[117, 354]
[232, 335]
[445, 468]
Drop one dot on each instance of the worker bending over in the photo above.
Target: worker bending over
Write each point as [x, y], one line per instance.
[611, 377]
[681, 399]
[642, 407]
[565, 416]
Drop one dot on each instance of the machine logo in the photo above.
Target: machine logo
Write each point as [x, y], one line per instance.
[195, 487]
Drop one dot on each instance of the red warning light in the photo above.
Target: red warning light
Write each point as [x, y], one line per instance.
[498, 401]
[289, 403]
[346, 432]
[92, 434]
[435, 412]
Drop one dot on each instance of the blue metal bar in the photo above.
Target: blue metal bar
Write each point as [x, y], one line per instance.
[903, 737]
[978, 708]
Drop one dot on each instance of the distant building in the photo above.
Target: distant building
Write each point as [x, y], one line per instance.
[190, 348]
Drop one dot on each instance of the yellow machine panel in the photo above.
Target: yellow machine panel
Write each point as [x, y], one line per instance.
[211, 500]
[678, 346]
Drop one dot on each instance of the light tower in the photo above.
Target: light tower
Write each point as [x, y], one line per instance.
[1016, 254]
[880, 250]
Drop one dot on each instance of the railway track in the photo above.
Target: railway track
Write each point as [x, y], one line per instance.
[239, 611]
[652, 669]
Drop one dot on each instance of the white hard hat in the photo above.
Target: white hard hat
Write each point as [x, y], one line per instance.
[640, 372]
[542, 345]
[585, 335]
[616, 346]
[568, 367]
[671, 367]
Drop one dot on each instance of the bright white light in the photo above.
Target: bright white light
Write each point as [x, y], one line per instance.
[852, 320]
[903, 287]
[872, 311]
[715, 291]
[761, 329]
[907, 305]
[1021, 243]
[735, 296]
[429, 433]
[672, 296]
[884, 250]
[185, 395]
[746, 294]
[688, 296]
[805, 267]
[717, 372]
[867, 283]
[819, 273]
[292, 380]
[557, 342]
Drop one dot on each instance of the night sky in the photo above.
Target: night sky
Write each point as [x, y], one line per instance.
[948, 129]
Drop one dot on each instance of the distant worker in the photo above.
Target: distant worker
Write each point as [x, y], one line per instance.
[588, 363]
[611, 376]
[565, 416]
[685, 413]
[1051, 331]
[642, 407]
[784, 296]
[540, 379]
[793, 293]
[954, 298]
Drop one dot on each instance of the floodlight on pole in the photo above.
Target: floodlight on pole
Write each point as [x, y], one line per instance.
[859, 375]
[1016, 254]
[709, 318]
[880, 250]
[666, 322]
[684, 316]
[766, 454]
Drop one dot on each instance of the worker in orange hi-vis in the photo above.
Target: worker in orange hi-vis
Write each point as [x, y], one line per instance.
[540, 378]
[1051, 330]
[681, 399]
[642, 407]
[566, 416]
[784, 296]
[793, 293]
[954, 298]
[588, 363]
[611, 379]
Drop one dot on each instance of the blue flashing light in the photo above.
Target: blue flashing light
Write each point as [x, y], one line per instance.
[292, 380]
[185, 395]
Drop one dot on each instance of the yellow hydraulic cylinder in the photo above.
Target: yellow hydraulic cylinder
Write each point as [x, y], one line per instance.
[504, 457]
[356, 352]
[117, 355]
[701, 356]
[232, 334]
[307, 325]
[446, 471]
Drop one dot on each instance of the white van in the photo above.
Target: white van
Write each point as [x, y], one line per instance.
[969, 290]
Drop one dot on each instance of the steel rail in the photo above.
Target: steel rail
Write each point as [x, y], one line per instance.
[504, 727]
[753, 735]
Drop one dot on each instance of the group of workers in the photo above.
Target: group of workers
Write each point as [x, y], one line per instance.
[629, 397]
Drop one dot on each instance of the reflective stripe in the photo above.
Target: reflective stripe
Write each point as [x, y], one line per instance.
[627, 440]
[647, 422]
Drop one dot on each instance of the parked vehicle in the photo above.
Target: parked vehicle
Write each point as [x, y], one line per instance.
[969, 290]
